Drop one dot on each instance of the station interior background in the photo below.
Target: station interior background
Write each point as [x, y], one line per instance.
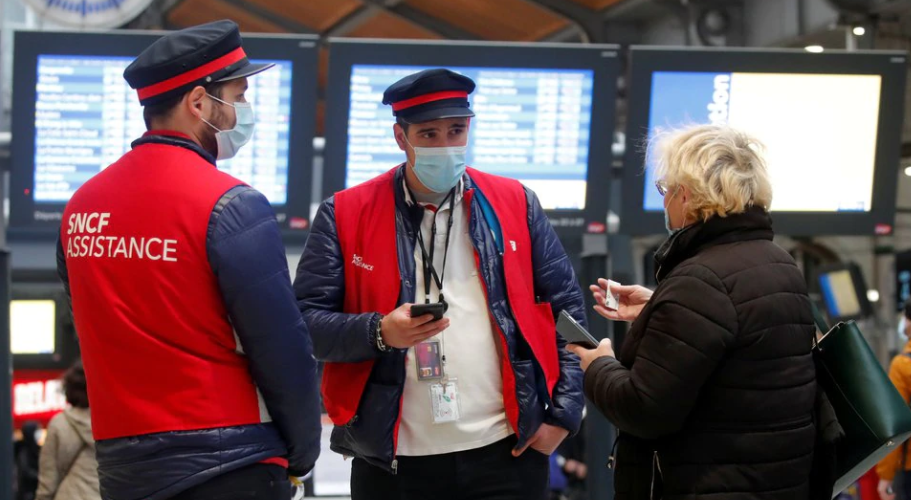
[806, 25]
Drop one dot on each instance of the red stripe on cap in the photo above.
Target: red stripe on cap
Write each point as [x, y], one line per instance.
[191, 76]
[424, 99]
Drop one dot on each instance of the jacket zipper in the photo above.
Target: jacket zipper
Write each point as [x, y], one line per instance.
[612, 459]
[398, 421]
[656, 467]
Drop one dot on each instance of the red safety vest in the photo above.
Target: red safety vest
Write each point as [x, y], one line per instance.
[365, 221]
[159, 352]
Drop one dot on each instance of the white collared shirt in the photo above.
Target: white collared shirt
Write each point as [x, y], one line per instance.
[470, 345]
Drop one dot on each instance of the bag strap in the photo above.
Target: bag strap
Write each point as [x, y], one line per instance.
[76, 456]
[821, 324]
[820, 320]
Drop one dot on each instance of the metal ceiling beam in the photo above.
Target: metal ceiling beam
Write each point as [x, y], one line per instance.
[271, 16]
[155, 16]
[624, 9]
[434, 24]
[571, 33]
[353, 21]
[588, 25]
[442, 28]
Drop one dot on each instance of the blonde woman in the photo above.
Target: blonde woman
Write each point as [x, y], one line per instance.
[713, 391]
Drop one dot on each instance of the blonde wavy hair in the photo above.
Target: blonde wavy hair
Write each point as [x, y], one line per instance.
[723, 169]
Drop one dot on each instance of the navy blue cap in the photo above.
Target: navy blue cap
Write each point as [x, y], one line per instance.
[184, 59]
[430, 95]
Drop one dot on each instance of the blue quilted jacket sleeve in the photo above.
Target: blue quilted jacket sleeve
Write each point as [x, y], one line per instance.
[62, 272]
[320, 289]
[247, 255]
[555, 282]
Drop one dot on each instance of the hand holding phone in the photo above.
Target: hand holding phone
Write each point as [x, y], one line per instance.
[402, 329]
[574, 333]
[437, 310]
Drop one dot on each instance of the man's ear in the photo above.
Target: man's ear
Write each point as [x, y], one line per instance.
[399, 136]
[195, 100]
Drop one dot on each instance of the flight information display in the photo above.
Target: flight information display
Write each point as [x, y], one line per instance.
[532, 125]
[820, 130]
[86, 117]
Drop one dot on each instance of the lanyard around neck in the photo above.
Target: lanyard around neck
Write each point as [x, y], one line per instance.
[430, 273]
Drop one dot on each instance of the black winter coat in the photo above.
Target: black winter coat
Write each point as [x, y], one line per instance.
[715, 385]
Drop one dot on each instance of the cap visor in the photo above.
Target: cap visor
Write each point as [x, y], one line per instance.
[248, 70]
[439, 114]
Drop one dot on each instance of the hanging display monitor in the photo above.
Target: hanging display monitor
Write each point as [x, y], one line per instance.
[830, 124]
[74, 115]
[544, 116]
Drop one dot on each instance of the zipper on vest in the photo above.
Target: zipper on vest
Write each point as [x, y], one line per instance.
[495, 322]
[472, 224]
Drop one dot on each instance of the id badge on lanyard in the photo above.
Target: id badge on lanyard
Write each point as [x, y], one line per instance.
[430, 358]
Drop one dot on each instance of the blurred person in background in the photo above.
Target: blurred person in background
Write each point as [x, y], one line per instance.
[27, 461]
[714, 388]
[572, 461]
[893, 470]
[68, 470]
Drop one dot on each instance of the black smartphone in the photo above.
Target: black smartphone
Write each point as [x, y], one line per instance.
[437, 310]
[574, 333]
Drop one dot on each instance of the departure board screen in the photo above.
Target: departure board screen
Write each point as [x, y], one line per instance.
[832, 148]
[532, 125]
[86, 117]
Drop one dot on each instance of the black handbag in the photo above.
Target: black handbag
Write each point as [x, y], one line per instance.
[875, 418]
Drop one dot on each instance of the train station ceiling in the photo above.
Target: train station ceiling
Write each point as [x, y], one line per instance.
[483, 20]
[510, 20]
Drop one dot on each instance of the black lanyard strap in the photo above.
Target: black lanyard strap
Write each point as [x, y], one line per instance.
[430, 273]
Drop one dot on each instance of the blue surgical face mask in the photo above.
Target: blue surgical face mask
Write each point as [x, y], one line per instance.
[667, 225]
[230, 141]
[902, 336]
[439, 169]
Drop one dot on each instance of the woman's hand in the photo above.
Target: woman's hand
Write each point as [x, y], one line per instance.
[588, 355]
[632, 299]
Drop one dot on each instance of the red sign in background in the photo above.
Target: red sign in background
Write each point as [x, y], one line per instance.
[37, 395]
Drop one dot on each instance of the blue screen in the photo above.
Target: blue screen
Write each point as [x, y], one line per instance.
[86, 117]
[532, 125]
[677, 99]
[840, 294]
[817, 129]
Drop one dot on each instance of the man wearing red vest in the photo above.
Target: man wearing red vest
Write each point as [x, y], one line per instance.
[199, 365]
[431, 293]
